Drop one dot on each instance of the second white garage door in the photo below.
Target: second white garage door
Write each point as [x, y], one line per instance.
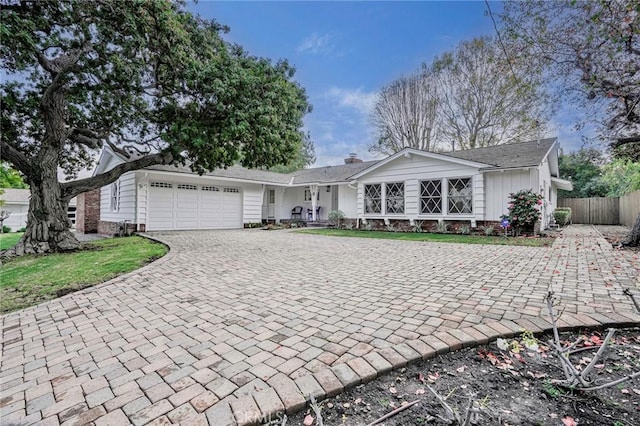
[189, 206]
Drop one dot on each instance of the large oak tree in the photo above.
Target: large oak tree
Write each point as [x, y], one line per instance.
[147, 78]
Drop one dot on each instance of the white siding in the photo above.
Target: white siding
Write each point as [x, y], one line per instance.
[411, 171]
[18, 218]
[347, 201]
[252, 203]
[498, 187]
[127, 207]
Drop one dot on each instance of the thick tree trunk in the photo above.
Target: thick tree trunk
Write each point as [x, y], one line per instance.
[633, 239]
[48, 226]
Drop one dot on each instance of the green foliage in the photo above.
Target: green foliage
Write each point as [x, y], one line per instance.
[6, 229]
[148, 75]
[29, 280]
[551, 390]
[489, 230]
[10, 178]
[304, 156]
[562, 215]
[417, 226]
[621, 177]
[584, 169]
[524, 209]
[442, 228]
[465, 230]
[336, 217]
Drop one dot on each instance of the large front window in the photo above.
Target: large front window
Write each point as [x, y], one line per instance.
[394, 198]
[431, 196]
[373, 198]
[460, 196]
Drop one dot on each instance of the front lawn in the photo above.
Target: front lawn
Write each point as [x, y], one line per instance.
[9, 240]
[436, 238]
[29, 280]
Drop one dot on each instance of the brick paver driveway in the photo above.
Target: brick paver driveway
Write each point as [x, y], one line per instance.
[245, 323]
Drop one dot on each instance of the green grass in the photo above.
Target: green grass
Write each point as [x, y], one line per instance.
[436, 238]
[29, 280]
[9, 240]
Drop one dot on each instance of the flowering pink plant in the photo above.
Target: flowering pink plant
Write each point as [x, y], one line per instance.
[523, 209]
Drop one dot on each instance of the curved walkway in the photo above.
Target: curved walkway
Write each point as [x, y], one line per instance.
[236, 326]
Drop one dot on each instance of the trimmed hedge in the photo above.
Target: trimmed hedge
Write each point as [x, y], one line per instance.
[562, 215]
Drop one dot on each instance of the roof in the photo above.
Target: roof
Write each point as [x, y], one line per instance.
[513, 155]
[340, 173]
[233, 172]
[523, 154]
[15, 196]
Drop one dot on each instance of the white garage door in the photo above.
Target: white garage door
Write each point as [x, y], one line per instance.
[188, 206]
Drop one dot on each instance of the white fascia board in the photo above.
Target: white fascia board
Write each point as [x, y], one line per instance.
[208, 177]
[411, 151]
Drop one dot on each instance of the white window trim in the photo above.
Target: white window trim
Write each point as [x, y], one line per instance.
[114, 199]
[461, 215]
[442, 198]
[404, 199]
[382, 199]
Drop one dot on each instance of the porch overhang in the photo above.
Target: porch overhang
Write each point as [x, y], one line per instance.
[562, 184]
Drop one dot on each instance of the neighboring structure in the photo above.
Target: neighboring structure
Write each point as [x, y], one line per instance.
[464, 186]
[16, 202]
[88, 212]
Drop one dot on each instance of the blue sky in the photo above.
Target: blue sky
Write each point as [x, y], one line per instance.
[344, 52]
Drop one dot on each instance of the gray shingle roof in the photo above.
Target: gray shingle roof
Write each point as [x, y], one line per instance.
[523, 154]
[340, 173]
[233, 172]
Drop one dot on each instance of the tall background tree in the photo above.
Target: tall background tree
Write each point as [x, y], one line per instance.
[584, 168]
[486, 99]
[148, 79]
[591, 50]
[470, 97]
[405, 114]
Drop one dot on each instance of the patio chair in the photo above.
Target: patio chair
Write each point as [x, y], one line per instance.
[310, 214]
[296, 212]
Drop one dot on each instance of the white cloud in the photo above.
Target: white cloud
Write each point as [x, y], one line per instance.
[361, 101]
[315, 44]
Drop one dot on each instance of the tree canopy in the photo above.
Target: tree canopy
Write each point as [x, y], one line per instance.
[10, 178]
[591, 50]
[150, 80]
[470, 97]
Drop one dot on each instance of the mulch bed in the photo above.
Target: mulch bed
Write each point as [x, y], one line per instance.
[515, 385]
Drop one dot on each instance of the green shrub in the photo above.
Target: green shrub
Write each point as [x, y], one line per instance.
[417, 226]
[442, 228]
[5, 229]
[489, 230]
[23, 229]
[562, 216]
[465, 230]
[336, 217]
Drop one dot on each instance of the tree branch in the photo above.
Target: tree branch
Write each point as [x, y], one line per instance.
[15, 157]
[73, 188]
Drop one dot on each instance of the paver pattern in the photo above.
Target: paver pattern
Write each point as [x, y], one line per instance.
[234, 326]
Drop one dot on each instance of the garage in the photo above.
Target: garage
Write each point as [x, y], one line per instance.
[182, 206]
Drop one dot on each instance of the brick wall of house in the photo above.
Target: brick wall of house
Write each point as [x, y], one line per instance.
[88, 212]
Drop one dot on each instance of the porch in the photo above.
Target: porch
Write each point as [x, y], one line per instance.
[303, 204]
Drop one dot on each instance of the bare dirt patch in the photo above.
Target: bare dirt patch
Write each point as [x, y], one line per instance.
[513, 386]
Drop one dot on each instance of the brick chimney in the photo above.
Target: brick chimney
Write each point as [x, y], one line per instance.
[353, 158]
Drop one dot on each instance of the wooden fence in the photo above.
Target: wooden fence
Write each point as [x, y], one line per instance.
[604, 210]
[629, 208]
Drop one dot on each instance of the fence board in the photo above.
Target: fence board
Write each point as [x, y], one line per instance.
[595, 210]
[629, 208]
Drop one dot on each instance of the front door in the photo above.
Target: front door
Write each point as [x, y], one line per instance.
[271, 204]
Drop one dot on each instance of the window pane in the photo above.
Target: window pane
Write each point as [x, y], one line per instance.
[460, 196]
[395, 198]
[431, 197]
[373, 198]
